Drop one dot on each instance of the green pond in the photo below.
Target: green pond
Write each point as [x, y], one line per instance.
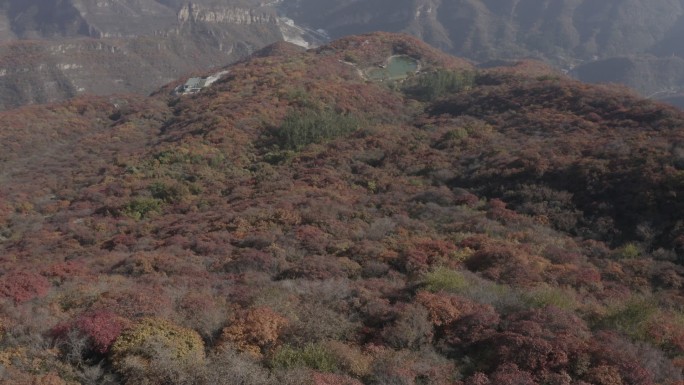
[397, 68]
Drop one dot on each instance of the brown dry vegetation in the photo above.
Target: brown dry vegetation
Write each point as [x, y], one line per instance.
[513, 229]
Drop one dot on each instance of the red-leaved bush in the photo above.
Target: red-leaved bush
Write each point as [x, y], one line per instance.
[101, 328]
[22, 286]
[62, 271]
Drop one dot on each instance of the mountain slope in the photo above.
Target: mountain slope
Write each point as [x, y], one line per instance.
[298, 222]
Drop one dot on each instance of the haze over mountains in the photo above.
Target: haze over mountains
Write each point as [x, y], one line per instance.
[638, 43]
[76, 47]
[105, 46]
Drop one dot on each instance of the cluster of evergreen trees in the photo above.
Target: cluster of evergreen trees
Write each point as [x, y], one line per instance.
[432, 85]
[301, 128]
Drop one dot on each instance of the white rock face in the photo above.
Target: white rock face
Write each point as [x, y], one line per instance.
[66, 66]
[300, 35]
[224, 15]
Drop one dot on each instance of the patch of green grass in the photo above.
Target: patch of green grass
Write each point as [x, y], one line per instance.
[631, 317]
[176, 156]
[627, 251]
[168, 193]
[443, 279]
[546, 295]
[313, 356]
[141, 207]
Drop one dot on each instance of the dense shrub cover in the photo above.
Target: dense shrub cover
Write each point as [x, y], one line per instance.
[297, 223]
[21, 286]
[255, 331]
[100, 328]
[154, 346]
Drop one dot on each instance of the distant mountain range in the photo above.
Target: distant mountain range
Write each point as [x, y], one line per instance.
[638, 43]
[53, 50]
[561, 31]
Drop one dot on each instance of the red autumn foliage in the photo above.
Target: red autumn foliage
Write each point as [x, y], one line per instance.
[67, 270]
[101, 328]
[21, 286]
[315, 267]
[255, 331]
[496, 209]
[420, 254]
[188, 209]
[504, 263]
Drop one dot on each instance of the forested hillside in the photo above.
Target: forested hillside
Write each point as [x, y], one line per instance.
[299, 223]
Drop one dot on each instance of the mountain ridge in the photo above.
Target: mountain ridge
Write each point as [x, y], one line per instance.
[167, 39]
[569, 34]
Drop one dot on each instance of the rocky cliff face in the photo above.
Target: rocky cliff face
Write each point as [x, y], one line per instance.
[558, 30]
[114, 46]
[121, 18]
[224, 15]
[45, 71]
[51, 70]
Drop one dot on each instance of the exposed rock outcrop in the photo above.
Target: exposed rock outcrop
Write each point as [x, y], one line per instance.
[191, 12]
